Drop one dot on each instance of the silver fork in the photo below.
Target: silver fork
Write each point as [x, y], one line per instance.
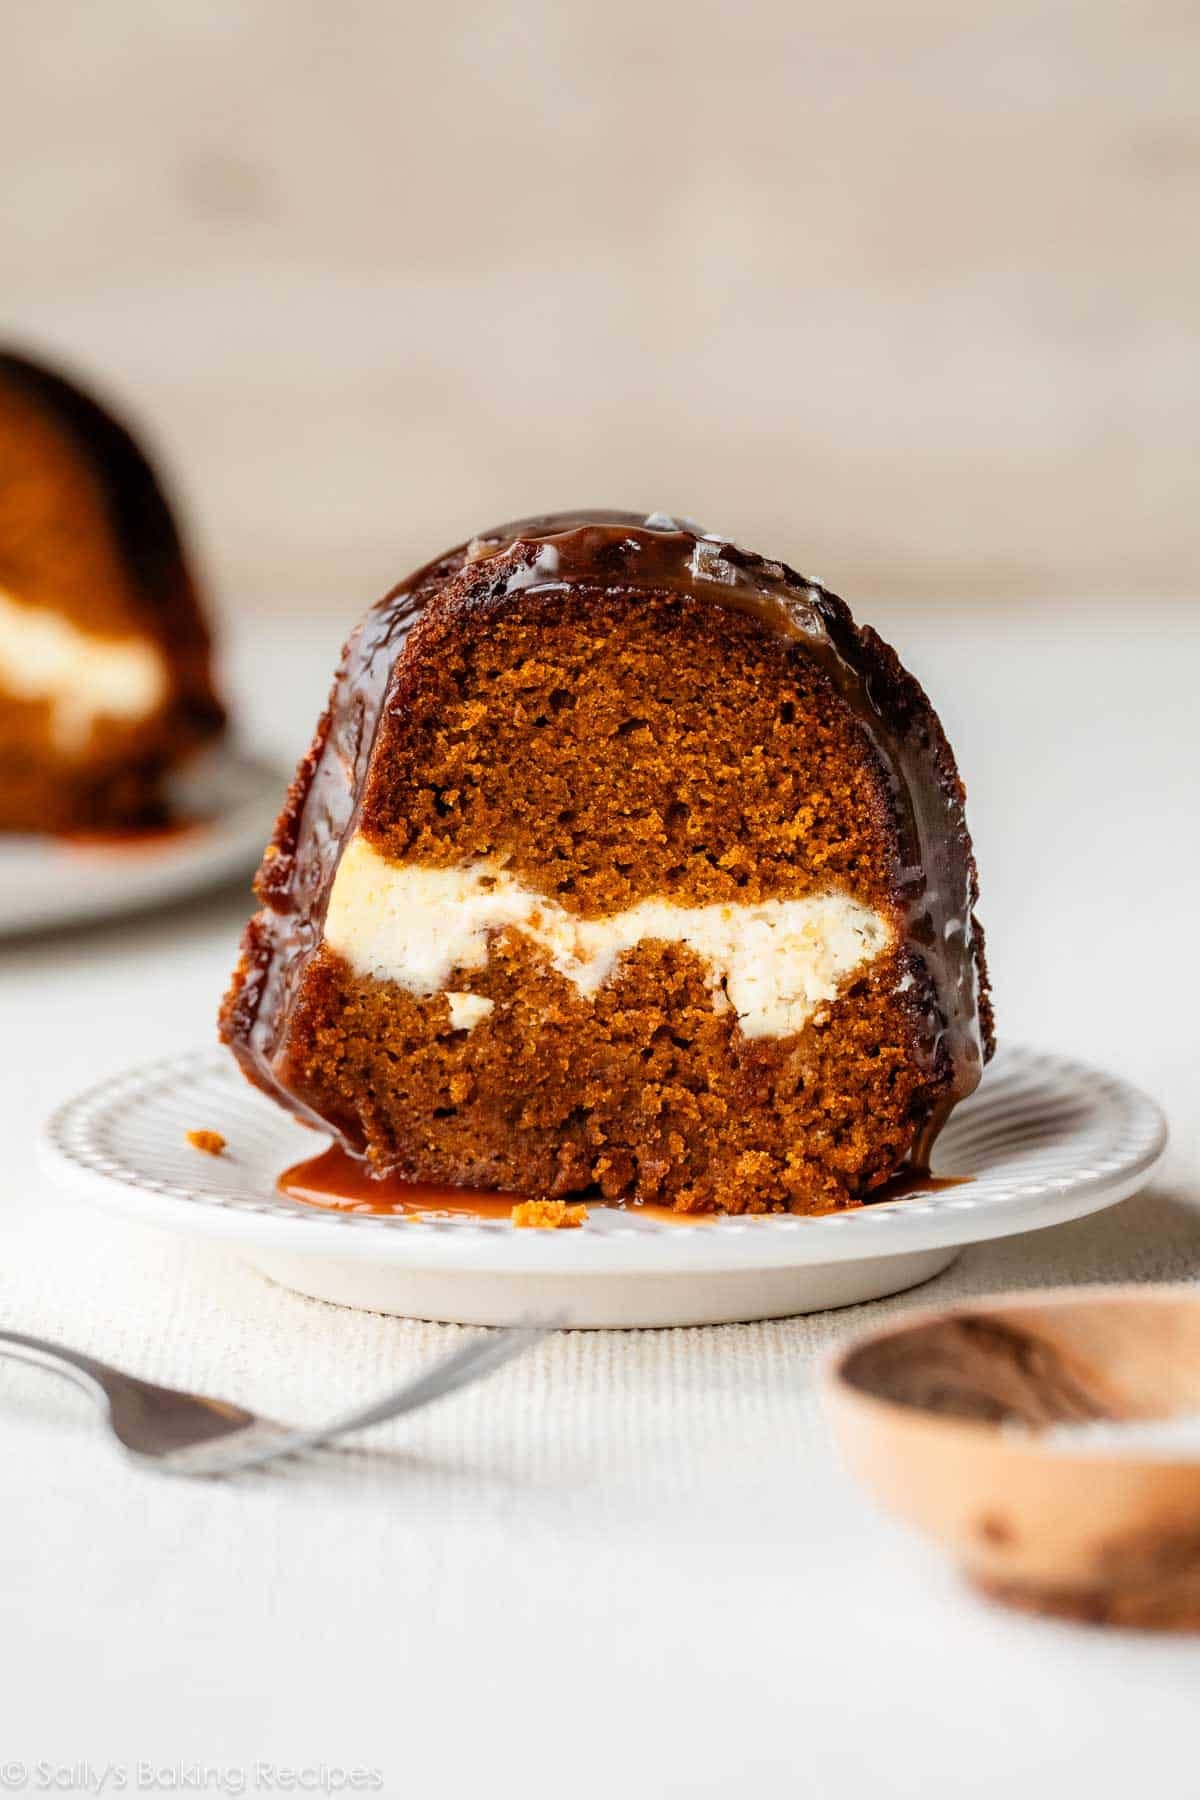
[189, 1434]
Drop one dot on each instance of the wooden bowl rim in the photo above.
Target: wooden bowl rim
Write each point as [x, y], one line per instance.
[983, 1434]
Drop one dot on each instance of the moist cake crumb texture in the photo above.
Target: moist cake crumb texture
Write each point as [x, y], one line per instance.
[622, 865]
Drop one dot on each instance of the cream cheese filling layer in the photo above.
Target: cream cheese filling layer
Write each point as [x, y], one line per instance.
[777, 962]
[44, 657]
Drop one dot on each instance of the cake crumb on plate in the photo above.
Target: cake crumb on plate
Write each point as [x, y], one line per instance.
[211, 1142]
[548, 1215]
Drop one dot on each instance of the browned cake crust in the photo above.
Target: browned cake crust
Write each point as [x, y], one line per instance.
[85, 531]
[622, 713]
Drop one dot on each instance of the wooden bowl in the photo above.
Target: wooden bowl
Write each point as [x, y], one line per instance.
[943, 1416]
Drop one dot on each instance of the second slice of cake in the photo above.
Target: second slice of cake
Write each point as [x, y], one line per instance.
[105, 661]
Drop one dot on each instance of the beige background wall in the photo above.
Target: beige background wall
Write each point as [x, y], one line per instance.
[906, 292]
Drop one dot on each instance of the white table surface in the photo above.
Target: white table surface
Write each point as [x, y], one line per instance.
[630, 1564]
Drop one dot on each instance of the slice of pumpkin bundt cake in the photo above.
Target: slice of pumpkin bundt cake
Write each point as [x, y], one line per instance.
[623, 862]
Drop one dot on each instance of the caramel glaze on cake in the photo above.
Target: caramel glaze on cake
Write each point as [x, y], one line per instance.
[583, 715]
[104, 655]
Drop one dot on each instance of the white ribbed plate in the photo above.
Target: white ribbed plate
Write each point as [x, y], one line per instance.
[233, 798]
[1042, 1141]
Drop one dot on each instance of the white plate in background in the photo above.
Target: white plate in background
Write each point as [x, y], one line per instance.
[230, 799]
[1043, 1140]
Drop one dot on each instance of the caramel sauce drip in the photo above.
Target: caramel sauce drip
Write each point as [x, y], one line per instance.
[343, 1183]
